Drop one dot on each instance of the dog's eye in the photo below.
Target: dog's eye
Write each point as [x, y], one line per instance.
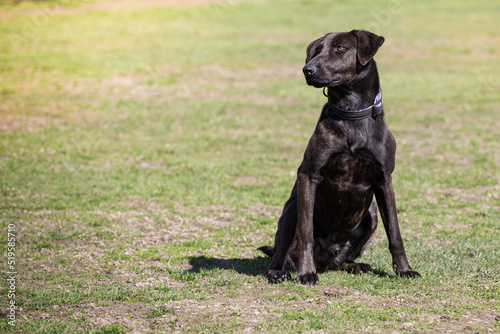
[340, 48]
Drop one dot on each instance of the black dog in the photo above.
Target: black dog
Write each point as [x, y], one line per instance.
[331, 214]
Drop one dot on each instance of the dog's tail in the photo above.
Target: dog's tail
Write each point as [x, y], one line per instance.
[268, 250]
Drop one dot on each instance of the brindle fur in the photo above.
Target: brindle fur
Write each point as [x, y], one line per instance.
[345, 174]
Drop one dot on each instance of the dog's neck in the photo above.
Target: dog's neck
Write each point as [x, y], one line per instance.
[360, 94]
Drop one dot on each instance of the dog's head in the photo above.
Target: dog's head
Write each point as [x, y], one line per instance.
[336, 58]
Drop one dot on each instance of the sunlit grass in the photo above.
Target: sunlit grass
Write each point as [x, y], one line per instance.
[146, 151]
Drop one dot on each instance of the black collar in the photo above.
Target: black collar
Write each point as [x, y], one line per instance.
[353, 115]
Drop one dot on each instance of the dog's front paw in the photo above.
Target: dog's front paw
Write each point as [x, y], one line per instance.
[277, 276]
[409, 274]
[308, 279]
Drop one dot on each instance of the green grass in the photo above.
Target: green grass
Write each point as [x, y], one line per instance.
[146, 151]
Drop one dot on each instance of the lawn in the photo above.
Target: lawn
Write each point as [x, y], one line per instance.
[147, 149]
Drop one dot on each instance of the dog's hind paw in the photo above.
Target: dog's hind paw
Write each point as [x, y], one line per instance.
[308, 279]
[357, 268]
[277, 276]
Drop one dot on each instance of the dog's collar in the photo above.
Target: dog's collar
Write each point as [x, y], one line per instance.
[353, 115]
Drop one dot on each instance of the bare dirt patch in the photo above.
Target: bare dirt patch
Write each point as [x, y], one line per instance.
[468, 322]
[131, 316]
[486, 196]
[336, 291]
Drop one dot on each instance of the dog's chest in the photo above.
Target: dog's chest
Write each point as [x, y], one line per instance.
[356, 154]
[352, 165]
[346, 189]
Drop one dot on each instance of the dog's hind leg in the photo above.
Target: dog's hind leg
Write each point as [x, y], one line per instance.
[355, 246]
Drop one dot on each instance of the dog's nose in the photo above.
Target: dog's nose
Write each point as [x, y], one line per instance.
[309, 70]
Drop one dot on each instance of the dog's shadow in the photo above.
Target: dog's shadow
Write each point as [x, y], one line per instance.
[383, 274]
[252, 267]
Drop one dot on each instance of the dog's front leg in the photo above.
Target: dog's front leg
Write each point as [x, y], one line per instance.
[387, 205]
[305, 237]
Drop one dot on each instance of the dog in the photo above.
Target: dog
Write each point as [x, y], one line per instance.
[331, 215]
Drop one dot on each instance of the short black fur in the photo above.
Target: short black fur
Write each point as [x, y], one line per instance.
[345, 174]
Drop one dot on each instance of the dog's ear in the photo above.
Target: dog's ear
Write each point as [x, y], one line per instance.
[368, 44]
[311, 49]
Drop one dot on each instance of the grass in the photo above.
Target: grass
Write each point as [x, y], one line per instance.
[146, 151]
